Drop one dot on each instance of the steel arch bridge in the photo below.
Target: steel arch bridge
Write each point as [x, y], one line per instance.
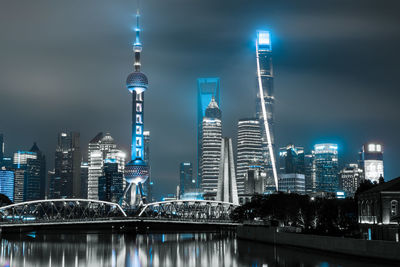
[195, 210]
[51, 210]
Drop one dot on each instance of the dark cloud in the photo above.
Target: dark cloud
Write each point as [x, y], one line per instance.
[63, 66]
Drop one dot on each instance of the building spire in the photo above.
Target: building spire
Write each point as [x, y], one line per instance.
[137, 46]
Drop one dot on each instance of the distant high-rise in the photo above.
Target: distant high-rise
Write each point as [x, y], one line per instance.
[186, 182]
[7, 183]
[101, 148]
[249, 150]
[254, 181]
[309, 172]
[111, 183]
[291, 159]
[292, 183]
[41, 160]
[207, 88]
[211, 147]
[67, 176]
[227, 189]
[1, 148]
[148, 183]
[84, 179]
[371, 161]
[326, 168]
[29, 166]
[350, 178]
[265, 102]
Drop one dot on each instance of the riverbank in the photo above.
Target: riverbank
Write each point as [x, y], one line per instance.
[357, 247]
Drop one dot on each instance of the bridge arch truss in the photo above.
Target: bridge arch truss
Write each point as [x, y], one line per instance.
[195, 210]
[51, 210]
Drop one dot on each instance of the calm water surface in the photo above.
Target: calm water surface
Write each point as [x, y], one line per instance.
[184, 249]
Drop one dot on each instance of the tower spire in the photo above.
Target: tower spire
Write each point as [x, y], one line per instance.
[137, 46]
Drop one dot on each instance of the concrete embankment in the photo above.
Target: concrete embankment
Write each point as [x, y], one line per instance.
[365, 248]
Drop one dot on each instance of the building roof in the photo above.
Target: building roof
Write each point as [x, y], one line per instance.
[34, 148]
[392, 185]
[97, 138]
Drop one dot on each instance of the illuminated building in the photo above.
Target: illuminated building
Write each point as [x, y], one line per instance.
[29, 177]
[249, 150]
[186, 182]
[350, 178]
[7, 183]
[1, 149]
[265, 103]
[207, 88]
[309, 172]
[136, 170]
[291, 159]
[211, 147]
[101, 147]
[147, 186]
[292, 183]
[84, 179]
[227, 189]
[326, 168]
[19, 181]
[379, 210]
[371, 161]
[111, 183]
[67, 172]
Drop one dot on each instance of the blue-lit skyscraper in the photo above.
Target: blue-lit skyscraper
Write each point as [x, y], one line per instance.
[207, 88]
[7, 183]
[265, 103]
[1, 149]
[137, 171]
[326, 168]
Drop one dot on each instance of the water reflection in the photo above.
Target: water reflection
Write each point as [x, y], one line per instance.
[197, 249]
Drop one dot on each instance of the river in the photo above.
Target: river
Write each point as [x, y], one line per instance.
[182, 249]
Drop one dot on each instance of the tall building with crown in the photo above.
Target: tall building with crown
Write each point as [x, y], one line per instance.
[211, 147]
[136, 170]
[227, 189]
[265, 103]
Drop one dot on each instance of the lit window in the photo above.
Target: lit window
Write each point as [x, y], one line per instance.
[138, 141]
[138, 153]
[378, 148]
[371, 147]
[393, 207]
[138, 107]
[139, 97]
[138, 118]
[138, 130]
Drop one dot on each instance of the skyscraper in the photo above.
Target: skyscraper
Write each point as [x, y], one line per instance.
[265, 102]
[371, 161]
[7, 183]
[137, 171]
[41, 160]
[291, 159]
[227, 189]
[84, 179]
[326, 168]
[350, 178]
[101, 148]
[67, 177]
[1, 148]
[186, 182]
[148, 183]
[111, 183]
[211, 147]
[28, 178]
[309, 172]
[207, 88]
[249, 150]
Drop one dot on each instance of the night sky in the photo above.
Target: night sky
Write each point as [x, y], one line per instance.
[64, 64]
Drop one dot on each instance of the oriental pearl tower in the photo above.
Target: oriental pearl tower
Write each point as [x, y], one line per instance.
[136, 170]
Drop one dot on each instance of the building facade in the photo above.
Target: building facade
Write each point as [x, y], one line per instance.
[249, 150]
[350, 178]
[265, 104]
[292, 183]
[207, 88]
[187, 184]
[7, 183]
[291, 159]
[371, 161]
[326, 168]
[211, 147]
[309, 172]
[67, 177]
[111, 184]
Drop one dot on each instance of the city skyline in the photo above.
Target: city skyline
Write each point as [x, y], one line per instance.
[349, 128]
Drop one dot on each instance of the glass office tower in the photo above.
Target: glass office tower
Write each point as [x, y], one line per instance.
[207, 88]
[371, 161]
[326, 168]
